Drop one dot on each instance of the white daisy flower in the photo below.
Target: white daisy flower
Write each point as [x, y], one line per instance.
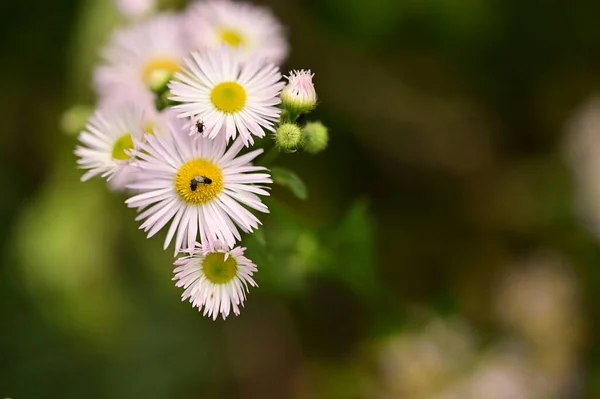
[254, 29]
[215, 278]
[135, 57]
[226, 95]
[299, 94]
[153, 120]
[200, 186]
[108, 141]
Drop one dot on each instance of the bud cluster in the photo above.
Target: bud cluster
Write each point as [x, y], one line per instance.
[299, 97]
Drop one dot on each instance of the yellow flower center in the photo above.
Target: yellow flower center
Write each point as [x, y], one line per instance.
[159, 66]
[123, 143]
[232, 37]
[198, 181]
[217, 269]
[228, 97]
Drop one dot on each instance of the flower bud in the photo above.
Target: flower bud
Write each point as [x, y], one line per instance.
[157, 80]
[288, 137]
[315, 137]
[74, 119]
[299, 96]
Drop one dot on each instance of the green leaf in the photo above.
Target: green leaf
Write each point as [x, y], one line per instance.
[352, 244]
[289, 179]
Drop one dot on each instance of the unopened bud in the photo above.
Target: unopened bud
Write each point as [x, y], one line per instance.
[315, 137]
[299, 96]
[75, 118]
[157, 80]
[288, 137]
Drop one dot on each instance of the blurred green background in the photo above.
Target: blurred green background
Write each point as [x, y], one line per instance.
[440, 240]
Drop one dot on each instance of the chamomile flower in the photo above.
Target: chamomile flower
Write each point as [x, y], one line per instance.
[108, 141]
[216, 278]
[229, 96]
[252, 28]
[136, 55]
[201, 186]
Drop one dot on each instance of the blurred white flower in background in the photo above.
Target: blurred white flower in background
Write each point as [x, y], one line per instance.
[251, 28]
[540, 301]
[538, 298]
[582, 151]
[136, 55]
[502, 372]
[537, 356]
[136, 8]
[416, 363]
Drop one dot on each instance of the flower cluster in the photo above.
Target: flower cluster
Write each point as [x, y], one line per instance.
[182, 98]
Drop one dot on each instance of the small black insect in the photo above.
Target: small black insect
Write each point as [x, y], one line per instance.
[200, 126]
[199, 180]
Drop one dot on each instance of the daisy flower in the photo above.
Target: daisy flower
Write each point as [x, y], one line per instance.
[254, 29]
[108, 141]
[136, 56]
[215, 278]
[153, 121]
[200, 186]
[226, 95]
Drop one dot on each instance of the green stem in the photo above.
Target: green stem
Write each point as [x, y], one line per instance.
[269, 157]
[288, 116]
[162, 101]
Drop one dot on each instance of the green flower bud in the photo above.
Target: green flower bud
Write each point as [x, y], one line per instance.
[157, 80]
[288, 137]
[315, 136]
[75, 118]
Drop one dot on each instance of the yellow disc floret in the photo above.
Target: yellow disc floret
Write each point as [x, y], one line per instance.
[199, 181]
[228, 97]
[123, 143]
[218, 270]
[232, 37]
